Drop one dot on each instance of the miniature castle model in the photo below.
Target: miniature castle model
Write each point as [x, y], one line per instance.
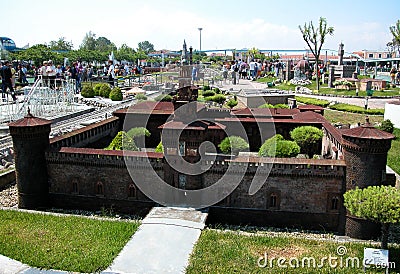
[73, 171]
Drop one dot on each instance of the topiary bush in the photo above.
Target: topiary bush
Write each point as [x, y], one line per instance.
[87, 91]
[233, 144]
[232, 103]
[357, 109]
[308, 138]
[312, 101]
[116, 94]
[141, 97]
[277, 146]
[218, 98]
[266, 105]
[206, 87]
[208, 93]
[105, 90]
[97, 89]
[163, 98]
[122, 142]
[281, 106]
[216, 90]
[387, 126]
[159, 148]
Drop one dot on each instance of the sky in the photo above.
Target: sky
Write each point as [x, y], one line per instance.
[233, 24]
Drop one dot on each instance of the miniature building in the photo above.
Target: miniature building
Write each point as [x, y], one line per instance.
[304, 193]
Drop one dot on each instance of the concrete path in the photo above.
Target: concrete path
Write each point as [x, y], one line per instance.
[162, 244]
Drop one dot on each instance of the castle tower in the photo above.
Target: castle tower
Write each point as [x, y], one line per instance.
[30, 140]
[184, 56]
[365, 153]
[341, 54]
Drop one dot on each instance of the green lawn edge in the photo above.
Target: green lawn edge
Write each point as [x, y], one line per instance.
[69, 243]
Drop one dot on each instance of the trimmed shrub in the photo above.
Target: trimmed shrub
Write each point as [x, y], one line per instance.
[308, 138]
[116, 94]
[206, 88]
[232, 103]
[276, 146]
[122, 142]
[357, 109]
[159, 148]
[208, 93]
[97, 88]
[164, 98]
[312, 101]
[233, 144]
[105, 90]
[219, 98]
[87, 91]
[216, 90]
[387, 126]
[141, 97]
[266, 105]
[281, 106]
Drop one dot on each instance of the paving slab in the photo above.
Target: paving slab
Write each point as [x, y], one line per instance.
[10, 266]
[162, 244]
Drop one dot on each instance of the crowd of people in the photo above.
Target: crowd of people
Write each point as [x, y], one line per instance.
[240, 69]
[12, 72]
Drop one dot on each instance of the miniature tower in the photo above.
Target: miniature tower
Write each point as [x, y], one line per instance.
[30, 140]
[365, 153]
[184, 56]
[341, 54]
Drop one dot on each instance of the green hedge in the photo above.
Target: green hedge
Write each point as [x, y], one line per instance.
[312, 101]
[357, 109]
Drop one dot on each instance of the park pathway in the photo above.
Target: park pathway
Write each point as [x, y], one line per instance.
[162, 244]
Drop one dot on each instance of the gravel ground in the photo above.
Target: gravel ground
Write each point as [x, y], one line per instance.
[9, 196]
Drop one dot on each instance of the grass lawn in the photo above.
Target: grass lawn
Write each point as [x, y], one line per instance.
[393, 159]
[229, 252]
[335, 116]
[68, 243]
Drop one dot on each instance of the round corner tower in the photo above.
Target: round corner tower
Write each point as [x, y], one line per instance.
[30, 137]
[365, 154]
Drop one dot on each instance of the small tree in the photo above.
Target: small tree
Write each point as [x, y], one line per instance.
[376, 203]
[266, 105]
[387, 126]
[116, 94]
[122, 142]
[315, 38]
[308, 138]
[232, 103]
[276, 146]
[233, 144]
[395, 31]
[138, 134]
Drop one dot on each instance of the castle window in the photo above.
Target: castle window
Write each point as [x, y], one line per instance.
[182, 181]
[99, 188]
[335, 203]
[273, 200]
[132, 191]
[75, 187]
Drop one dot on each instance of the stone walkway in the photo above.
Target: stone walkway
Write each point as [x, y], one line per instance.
[162, 244]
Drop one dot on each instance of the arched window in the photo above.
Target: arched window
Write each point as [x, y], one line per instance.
[273, 200]
[132, 191]
[335, 203]
[99, 188]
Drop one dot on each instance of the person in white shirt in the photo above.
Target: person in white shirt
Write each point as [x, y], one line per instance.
[252, 66]
[51, 73]
[111, 73]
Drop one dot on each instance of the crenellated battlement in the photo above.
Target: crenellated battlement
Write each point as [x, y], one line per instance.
[100, 157]
[84, 136]
[281, 166]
